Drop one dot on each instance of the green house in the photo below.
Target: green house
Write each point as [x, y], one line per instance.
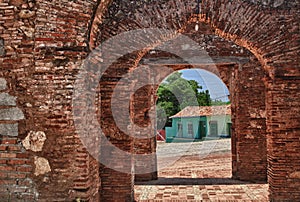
[196, 123]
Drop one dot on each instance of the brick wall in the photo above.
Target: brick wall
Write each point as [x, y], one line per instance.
[249, 122]
[44, 43]
[283, 138]
[15, 163]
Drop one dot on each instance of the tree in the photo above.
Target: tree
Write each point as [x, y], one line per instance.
[176, 93]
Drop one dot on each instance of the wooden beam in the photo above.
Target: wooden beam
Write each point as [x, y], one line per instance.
[195, 61]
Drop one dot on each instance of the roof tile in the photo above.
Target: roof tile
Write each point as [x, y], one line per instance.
[195, 111]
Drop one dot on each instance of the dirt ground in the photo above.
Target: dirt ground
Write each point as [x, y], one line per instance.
[197, 172]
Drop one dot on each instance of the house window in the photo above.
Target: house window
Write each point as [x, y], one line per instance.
[190, 129]
[179, 129]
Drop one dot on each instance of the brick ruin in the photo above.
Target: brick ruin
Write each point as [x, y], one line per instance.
[45, 44]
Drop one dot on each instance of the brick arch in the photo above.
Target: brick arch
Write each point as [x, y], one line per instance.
[96, 19]
[107, 85]
[243, 23]
[257, 30]
[249, 124]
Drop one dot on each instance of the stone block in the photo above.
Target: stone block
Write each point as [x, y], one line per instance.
[28, 31]
[34, 141]
[9, 129]
[3, 83]
[7, 100]
[2, 49]
[41, 166]
[11, 114]
[26, 14]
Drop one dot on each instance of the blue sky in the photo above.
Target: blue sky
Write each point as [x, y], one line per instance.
[208, 81]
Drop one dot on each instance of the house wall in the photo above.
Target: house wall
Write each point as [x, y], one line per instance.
[222, 121]
[184, 122]
[172, 132]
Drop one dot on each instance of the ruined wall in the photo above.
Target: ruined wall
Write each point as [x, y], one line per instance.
[61, 30]
[42, 46]
[143, 103]
[244, 76]
[15, 163]
[283, 137]
[116, 133]
[249, 159]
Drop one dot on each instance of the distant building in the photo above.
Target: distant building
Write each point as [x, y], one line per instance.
[204, 122]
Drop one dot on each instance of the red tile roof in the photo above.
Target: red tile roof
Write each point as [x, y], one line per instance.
[195, 111]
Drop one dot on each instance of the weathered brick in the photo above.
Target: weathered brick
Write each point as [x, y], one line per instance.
[24, 168]
[6, 168]
[6, 141]
[3, 161]
[16, 162]
[8, 155]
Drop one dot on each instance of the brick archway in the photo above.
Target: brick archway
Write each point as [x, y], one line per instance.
[249, 127]
[43, 44]
[228, 22]
[230, 25]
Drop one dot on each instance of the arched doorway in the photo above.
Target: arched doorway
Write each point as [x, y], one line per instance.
[230, 71]
[237, 162]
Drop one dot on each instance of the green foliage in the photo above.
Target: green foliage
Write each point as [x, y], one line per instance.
[176, 93]
[219, 103]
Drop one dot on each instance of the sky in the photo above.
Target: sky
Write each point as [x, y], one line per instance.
[208, 81]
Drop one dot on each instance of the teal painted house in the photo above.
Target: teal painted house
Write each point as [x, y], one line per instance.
[195, 122]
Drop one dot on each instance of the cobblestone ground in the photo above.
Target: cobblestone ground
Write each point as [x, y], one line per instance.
[198, 171]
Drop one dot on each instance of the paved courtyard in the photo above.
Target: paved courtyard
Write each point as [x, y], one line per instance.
[199, 171]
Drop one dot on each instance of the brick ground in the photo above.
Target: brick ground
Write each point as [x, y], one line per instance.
[199, 177]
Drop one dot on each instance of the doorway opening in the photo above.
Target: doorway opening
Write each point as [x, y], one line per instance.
[194, 160]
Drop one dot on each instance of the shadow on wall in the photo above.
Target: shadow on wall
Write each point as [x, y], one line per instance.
[195, 181]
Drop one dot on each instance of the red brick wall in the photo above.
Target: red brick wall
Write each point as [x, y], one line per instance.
[248, 122]
[44, 44]
[283, 138]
